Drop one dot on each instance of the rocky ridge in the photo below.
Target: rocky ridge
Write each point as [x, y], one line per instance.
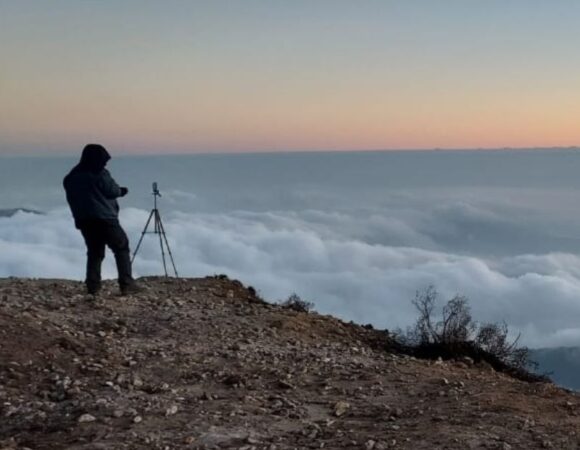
[206, 364]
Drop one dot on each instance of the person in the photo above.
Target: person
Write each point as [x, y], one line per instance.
[92, 195]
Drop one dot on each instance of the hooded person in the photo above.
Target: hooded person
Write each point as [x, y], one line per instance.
[92, 195]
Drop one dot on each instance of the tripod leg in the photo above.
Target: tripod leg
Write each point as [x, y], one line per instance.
[167, 245]
[142, 236]
[159, 232]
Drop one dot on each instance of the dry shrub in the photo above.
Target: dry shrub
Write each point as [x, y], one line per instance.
[295, 303]
[456, 332]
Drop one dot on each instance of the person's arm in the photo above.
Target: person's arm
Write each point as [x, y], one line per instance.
[109, 187]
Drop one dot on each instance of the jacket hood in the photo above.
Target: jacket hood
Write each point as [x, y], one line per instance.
[94, 158]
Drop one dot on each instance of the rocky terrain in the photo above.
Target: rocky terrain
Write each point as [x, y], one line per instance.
[205, 363]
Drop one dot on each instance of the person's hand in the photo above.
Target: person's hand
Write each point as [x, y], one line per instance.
[124, 191]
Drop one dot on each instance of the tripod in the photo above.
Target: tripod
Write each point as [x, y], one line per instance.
[160, 231]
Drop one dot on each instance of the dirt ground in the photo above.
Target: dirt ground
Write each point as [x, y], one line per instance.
[203, 363]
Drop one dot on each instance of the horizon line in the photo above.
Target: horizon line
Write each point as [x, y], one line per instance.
[125, 153]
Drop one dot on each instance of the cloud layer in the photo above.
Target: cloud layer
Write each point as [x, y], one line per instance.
[330, 258]
[357, 233]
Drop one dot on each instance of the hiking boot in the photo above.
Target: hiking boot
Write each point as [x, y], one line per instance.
[131, 289]
[93, 290]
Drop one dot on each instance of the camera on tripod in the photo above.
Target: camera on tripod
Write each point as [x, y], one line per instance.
[158, 229]
[156, 192]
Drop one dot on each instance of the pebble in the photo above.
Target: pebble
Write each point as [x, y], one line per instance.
[340, 408]
[172, 410]
[86, 418]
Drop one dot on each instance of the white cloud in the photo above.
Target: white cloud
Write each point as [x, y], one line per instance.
[322, 257]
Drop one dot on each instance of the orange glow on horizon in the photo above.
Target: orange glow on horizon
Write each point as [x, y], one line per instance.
[210, 77]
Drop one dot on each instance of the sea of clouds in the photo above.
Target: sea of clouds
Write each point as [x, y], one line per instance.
[280, 253]
[358, 253]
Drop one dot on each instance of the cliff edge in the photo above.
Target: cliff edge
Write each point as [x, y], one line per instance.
[205, 363]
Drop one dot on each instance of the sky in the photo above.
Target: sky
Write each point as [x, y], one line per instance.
[270, 75]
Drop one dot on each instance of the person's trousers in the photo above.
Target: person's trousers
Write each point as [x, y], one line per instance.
[97, 235]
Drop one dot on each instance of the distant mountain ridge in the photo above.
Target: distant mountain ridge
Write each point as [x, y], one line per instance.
[9, 212]
[562, 364]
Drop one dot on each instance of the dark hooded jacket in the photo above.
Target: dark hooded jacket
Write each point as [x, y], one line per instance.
[91, 192]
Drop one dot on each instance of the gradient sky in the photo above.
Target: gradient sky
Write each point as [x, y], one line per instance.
[247, 75]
